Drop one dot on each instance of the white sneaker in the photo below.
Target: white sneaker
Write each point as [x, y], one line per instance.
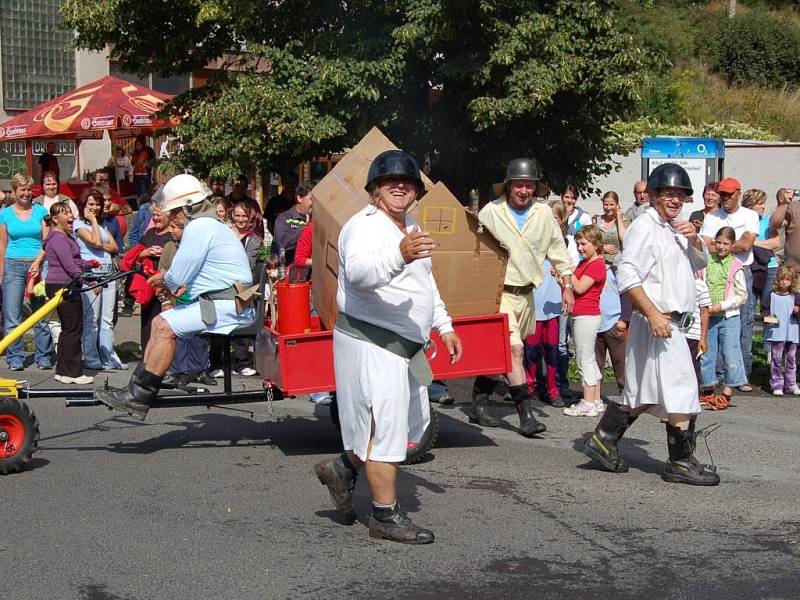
[778, 392]
[581, 409]
[599, 406]
[796, 391]
[246, 372]
[80, 379]
[217, 373]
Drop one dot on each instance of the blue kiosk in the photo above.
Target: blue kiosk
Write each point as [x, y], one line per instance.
[703, 159]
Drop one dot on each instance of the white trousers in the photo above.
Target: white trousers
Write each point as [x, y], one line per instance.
[584, 333]
[375, 384]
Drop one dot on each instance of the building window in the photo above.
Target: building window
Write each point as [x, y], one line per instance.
[36, 66]
[177, 84]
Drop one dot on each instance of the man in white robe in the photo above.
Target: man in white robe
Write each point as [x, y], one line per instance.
[388, 302]
[656, 271]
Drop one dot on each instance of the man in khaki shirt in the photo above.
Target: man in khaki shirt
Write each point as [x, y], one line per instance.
[529, 232]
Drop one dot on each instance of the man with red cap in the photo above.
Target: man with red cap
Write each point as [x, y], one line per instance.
[745, 223]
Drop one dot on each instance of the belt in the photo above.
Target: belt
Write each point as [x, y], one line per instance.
[414, 352]
[519, 290]
[683, 321]
[237, 292]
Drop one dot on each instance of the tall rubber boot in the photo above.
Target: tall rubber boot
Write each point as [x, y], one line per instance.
[682, 466]
[528, 424]
[478, 413]
[692, 426]
[602, 444]
[137, 397]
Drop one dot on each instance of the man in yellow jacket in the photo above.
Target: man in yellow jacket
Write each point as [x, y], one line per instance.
[530, 234]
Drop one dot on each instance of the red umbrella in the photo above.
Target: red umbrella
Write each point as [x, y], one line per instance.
[123, 108]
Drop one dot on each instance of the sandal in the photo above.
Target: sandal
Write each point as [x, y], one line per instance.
[745, 388]
[725, 399]
[713, 402]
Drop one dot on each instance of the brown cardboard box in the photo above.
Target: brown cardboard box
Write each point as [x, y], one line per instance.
[469, 265]
[469, 270]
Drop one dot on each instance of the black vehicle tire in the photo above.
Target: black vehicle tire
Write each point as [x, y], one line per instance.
[416, 454]
[19, 435]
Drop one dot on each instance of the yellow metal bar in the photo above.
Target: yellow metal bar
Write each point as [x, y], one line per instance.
[40, 314]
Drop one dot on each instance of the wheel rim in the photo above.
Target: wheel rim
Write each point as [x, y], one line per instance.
[15, 435]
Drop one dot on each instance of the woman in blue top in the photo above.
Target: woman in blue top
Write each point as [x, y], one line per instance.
[22, 229]
[96, 243]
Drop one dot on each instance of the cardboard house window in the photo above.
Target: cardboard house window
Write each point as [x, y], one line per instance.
[439, 219]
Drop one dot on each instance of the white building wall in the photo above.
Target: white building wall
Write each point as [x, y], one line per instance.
[766, 166]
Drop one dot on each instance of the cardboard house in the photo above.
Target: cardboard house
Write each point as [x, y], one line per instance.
[468, 265]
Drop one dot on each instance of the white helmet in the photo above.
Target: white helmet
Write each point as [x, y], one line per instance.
[184, 191]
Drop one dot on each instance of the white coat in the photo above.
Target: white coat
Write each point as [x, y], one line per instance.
[659, 372]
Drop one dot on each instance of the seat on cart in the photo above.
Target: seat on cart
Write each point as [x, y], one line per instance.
[244, 331]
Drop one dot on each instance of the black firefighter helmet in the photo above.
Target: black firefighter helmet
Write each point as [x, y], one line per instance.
[669, 175]
[394, 162]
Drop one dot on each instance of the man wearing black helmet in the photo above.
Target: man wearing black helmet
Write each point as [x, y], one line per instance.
[388, 302]
[530, 234]
[656, 270]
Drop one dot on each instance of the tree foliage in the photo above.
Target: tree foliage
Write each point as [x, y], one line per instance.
[759, 48]
[465, 84]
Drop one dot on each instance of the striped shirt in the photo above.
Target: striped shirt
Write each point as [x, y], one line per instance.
[703, 300]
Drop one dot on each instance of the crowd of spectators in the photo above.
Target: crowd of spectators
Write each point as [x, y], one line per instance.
[755, 261]
[60, 241]
[748, 268]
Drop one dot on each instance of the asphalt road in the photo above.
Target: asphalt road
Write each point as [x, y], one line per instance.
[198, 503]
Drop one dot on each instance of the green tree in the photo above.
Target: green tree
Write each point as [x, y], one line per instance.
[465, 84]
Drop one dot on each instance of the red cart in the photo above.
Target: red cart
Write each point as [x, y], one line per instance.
[302, 363]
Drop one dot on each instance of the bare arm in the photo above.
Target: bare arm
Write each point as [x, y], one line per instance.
[745, 243]
[778, 218]
[91, 237]
[772, 243]
[704, 318]
[621, 224]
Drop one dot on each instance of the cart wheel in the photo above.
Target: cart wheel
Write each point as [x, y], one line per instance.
[19, 435]
[417, 452]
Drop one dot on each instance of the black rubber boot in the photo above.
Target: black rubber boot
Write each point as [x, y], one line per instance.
[602, 444]
[682, 466]
[394, 524]
[479, 413]
[528, 424]
[340, 478]
[137, 397]
[692, 427]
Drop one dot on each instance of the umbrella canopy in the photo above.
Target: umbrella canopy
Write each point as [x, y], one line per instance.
[108, 104]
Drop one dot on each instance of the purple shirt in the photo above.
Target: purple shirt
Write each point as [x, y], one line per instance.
[63, 258]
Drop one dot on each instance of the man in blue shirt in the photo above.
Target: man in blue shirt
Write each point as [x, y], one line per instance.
[202, 278]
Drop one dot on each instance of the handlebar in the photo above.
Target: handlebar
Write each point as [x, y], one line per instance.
[102, 279]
